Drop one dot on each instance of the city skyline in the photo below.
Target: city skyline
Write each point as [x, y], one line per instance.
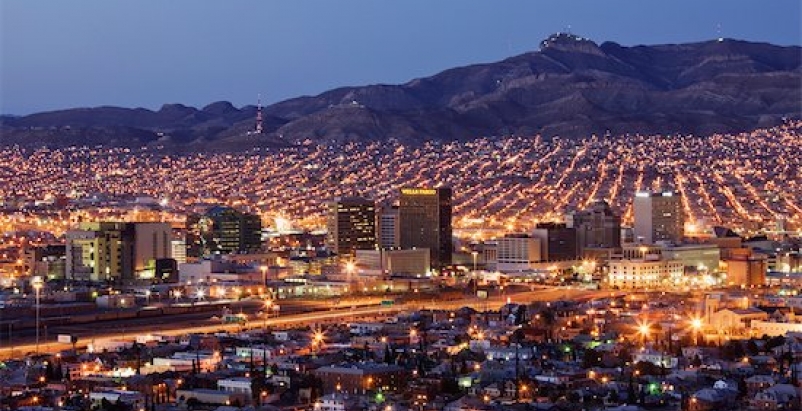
[611, 221]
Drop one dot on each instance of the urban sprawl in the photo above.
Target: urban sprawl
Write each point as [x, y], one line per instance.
[610, 273]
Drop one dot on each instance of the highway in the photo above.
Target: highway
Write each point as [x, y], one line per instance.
[171, 326]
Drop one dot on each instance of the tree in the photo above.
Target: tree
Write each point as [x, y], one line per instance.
[742, 388]
[49, 371]
[774, 342]
[732, 351]
[520, 315]
[752, 348]
[614, 397]
[631, 391]
[592, 358]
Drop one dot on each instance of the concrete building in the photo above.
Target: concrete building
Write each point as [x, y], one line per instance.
[223, 230]
[596, 227]
[116, 251]
[745, 268]
[774, 328]
[351, 224]
[388, 227]
[695, 257]
[557, 241]
[425, 222]
[381, 262]
[179, 250]
[650, 273]
[517, 252]
[362, 377]
[658, 217]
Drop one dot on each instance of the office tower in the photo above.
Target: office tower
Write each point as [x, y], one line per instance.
[746, 268]
[351, 223]
[223, 230]
[389, 229]
[658, 217]
[517, 252]
[557, 241]
[596, 227]
[114, 251]
[425, 222]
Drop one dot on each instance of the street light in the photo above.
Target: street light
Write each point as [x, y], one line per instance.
[350, 268]
[644, 329]
[263, 268]
[37, 286]
[268, 306]
[696, 326]
[474, 254]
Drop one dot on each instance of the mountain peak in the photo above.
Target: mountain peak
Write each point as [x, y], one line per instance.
[570, 42]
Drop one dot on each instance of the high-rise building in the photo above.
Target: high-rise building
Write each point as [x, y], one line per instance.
[746, 268]
[517, 252]
[596, 227]
[388, 228]
[425, 222]
[223, 230]
[557, 241]
[658, 217]
[351, 223]
[115, 251]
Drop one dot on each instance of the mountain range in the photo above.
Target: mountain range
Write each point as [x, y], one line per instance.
[571, 87]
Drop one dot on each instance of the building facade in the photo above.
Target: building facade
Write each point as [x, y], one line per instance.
[351, 224]
[651, 274]
[223, 230]
[425, 222]
[114, 251]
[596, 227]
[517, 252]
[558, 242]
[388, 228]
[658, 217]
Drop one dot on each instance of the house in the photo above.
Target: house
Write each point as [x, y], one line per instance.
[758, 383]
[467, 403]
[778, 397]
[335, 402]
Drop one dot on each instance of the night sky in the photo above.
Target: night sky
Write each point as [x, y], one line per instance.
[61, 54]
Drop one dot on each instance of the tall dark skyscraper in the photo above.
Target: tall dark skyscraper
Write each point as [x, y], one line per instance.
[596, 227]
[425, 222]
[557, 241]
[223, 230]
[351, 223]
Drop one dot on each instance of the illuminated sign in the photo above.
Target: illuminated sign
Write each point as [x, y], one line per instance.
[418, 191]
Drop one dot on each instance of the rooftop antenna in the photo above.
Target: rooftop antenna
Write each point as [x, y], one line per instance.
[259, 114]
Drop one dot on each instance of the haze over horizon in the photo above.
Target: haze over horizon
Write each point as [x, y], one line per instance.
[56, 55]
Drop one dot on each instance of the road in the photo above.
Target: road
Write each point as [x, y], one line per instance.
[170, 326]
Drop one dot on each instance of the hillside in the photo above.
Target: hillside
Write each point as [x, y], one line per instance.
[571, 87]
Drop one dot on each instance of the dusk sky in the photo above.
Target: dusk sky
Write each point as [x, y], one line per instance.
[59, 54]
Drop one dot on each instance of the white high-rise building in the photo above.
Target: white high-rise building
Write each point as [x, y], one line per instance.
[389, 233]
[658, 217]
[517, 252]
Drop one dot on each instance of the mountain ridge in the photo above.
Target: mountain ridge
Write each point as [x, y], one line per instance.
[571, 87]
